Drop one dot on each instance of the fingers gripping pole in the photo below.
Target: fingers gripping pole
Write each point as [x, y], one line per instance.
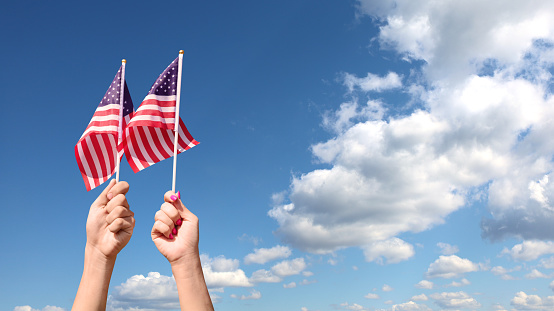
[178, 99]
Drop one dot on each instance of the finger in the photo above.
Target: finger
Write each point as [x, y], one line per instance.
[122, 224]
[183, 211]
[103, 197]
[118, 212]
[163, 217]
[171, 211]
[120, 188]
[118, 200]
[160, 228]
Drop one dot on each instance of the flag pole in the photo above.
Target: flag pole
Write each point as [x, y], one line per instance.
[176, 142]
[120, 123]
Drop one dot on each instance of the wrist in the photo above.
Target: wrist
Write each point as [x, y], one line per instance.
[187, 265]
[95, 258]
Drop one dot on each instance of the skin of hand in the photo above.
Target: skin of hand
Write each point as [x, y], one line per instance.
[175, 245]
[110, 225]
[175, 233]
[110, 222]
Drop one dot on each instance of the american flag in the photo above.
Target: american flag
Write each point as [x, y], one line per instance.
[150, 135]
[96, 149]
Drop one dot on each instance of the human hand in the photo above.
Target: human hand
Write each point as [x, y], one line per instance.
[175, 230]
[110, 222]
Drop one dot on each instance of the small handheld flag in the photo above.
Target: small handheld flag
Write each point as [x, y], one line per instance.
[151, 135]
[99, 149]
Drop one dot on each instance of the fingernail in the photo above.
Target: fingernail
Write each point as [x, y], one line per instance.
[174, 198]
[179, 222]
[174, 231]
[109, 196]
[171, 236]
[179, 194]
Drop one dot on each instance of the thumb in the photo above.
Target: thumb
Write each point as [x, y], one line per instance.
[103, 197]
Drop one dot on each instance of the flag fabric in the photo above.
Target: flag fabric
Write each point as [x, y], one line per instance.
[98, 147]
[150, 134]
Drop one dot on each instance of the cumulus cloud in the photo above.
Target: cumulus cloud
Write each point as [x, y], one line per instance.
[263, 255]
[463, 282]
[455, 300]
[372, 82]
[392, 250]
[504, 273]
[522, 301]
[408, 306]
[450, 267]
[223, 272]
[424, 284]
[47, 308]
[372, 296]
[421, 297]
[347, 306]
[264, 276]
[447, 249]
[481, 123]
[254, 295]
[289, 267]
[154, 291]
[290, 285]
[387, 288]
[536, 274]
[529, 250]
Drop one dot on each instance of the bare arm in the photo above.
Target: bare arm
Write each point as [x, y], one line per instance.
[110, 225]
[175, 233]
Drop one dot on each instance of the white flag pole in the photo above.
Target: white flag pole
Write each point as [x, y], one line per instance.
[119, 127]
[178, 99]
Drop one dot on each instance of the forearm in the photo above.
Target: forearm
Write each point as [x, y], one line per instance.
[193, 292]
[93, 289]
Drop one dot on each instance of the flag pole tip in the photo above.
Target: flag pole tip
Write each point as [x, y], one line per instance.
[124, 61]
[181, 52]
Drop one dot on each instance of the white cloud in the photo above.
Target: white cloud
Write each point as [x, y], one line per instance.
[529, 250]
[263, 255]
[421, 297]
[307, 282]
[390, 251]
[372, 296]
[254, 295]
[536, 274]
[410, 306]
[289, 267]
[463, 282]
[424, 284]
[222, 272]
[372, 82]
[307, 273]
[455, 300]
[290, 285]
[387, 288]
[447, 249]
[522, 301]
[482, 125]
[547, 263]
[47, 308]
[154, 291]
[450, 267]
[264, 276]
[347, 306]
[503, 272]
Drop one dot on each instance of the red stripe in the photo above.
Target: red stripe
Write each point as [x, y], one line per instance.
[98, 145]
[81, 167]
[158, 145]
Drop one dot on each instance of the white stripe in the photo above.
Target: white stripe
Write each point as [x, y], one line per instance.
[110, 117]
[84, 163]
[185, 138]
[92, 152]
[104, 147]
[141, 147]
[115, 154]
[108, 107]
[100, 129]
[167, 148]
[163, 98]
[151, 118]
[157, 108]
[152, 144]
[132, 152]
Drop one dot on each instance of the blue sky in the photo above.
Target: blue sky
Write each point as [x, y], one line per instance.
[355, 155]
